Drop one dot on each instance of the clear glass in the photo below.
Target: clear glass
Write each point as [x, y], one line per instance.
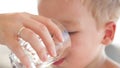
[30, 52]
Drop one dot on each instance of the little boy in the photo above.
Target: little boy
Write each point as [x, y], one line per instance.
[91, 25]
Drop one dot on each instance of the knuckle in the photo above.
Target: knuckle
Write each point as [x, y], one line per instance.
[30, 34]
[40, 50]
[25, 13]
[23, 56]
[16, 49]
[48, 20]
[18, 16]
[42, 27]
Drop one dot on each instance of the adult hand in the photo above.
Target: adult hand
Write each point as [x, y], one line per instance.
[27, 26]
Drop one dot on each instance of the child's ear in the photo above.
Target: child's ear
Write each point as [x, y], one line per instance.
[109, 33]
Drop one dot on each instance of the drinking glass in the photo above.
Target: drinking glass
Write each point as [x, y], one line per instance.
[61, 47]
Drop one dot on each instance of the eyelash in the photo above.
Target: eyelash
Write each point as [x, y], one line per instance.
[71, 33]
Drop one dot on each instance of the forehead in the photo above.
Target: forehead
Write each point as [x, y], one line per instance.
[62, 4]
[66, 11]
[58, 7]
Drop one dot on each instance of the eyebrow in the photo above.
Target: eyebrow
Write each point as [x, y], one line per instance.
[71, 25]
[64, 21]
[70, 22]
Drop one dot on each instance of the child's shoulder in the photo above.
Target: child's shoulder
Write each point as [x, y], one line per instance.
[111, 64]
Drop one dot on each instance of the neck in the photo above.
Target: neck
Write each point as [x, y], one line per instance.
[99, 60]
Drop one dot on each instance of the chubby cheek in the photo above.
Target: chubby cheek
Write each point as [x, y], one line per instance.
[82, 47]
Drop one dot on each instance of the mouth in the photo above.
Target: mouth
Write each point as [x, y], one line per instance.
[62, 59]
[59, 62]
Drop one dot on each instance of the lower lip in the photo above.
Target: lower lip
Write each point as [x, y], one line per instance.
[59, 62]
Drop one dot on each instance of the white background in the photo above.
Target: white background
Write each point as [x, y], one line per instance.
[18, 6]
[31, 7]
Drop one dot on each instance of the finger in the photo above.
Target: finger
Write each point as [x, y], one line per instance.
[35, 42]
[44, 34]
[52, 27]
[16, 48]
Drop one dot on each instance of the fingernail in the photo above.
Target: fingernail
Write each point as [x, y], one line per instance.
[24, 66]
[28, 65]
[61, 38]
[54, 54]
[44, 58]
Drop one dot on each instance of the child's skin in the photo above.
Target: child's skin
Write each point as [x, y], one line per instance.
[88, 37]
[88, 40]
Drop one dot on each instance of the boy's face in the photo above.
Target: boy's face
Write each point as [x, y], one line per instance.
[85, 36]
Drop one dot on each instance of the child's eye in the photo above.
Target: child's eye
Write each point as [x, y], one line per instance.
[71, 33]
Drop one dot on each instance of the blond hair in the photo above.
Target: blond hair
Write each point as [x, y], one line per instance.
[104, 10]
